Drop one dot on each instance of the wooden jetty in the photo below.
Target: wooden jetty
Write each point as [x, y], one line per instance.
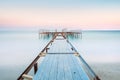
[61, 62]
[72, 33]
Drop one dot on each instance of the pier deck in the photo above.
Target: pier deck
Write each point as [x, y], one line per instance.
[60, 63]
[60, 67]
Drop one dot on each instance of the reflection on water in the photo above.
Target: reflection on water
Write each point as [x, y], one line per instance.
[18, 49]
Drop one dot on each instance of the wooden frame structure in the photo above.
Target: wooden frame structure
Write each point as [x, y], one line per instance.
[44, 52]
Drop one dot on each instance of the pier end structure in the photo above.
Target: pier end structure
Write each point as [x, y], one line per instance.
[43, 33]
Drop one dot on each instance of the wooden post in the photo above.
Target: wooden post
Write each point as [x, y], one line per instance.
[47, 50]
[35, 67]
[72, 49]
[96, 78]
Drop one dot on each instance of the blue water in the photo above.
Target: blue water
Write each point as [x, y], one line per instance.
[19, 48]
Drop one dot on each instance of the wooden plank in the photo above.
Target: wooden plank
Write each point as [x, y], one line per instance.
[60, 53]
[60, 74]
[82, 73]
[52, 75]
[74, 71]
[68, 75]
[47, 68]
[28, 77]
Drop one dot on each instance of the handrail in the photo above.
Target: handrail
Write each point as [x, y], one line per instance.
[35, 60]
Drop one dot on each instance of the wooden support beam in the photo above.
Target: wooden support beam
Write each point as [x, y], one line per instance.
[76, 54]
[47, 50]
[35, 68]
[72, 49]
[42, 54]
[96, 78]
[28, 77]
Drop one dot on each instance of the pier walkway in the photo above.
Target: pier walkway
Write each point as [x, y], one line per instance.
[61, 62]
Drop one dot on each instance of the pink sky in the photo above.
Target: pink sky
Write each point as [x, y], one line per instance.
[83, 19]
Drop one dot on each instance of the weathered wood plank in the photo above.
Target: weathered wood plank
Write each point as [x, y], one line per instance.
[74, 71]
[45, 75]
[67, 70]
[60, 74]
[52, 72]
[82, 73]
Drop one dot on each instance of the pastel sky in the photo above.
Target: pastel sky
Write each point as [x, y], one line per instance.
[84, 14]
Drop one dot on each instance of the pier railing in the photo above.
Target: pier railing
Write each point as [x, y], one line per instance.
[93, 75]
[34, 62]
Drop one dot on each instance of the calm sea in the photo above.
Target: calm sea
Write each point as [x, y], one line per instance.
[19, 48]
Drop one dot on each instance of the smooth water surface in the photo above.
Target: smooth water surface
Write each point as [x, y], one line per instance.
[99, 46]
[19, 48]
